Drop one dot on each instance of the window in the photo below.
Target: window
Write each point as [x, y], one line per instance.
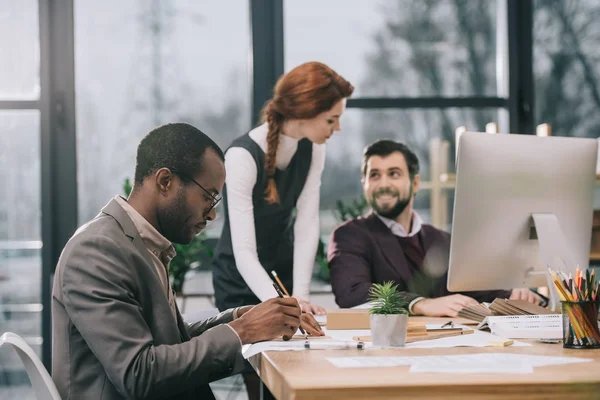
[142, 64]
[567, 66]
[415, 127]
[20, 180]
[398, 48]
[19, 65]
[20, 233]
[396, 53]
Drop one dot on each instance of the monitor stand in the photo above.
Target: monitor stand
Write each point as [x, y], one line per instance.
[553, 248]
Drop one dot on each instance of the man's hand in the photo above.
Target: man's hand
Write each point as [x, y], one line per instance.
[310, 325]
[447, 306]
[310, 308]
[243, 310]
[525, 294]
[269, 320]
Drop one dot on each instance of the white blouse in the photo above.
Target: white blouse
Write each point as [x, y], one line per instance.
[241, 178]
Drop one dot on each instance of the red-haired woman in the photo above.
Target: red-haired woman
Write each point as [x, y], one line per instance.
[274, 172]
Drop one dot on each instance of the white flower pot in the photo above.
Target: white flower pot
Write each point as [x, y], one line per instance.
[389, 330]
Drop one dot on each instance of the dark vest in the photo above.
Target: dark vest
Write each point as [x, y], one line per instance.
[273, 223]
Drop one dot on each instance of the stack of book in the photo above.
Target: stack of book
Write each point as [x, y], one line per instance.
[476, 313]
[501, 307]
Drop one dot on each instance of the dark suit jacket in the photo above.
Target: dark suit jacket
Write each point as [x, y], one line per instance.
[114, 333]
[364, 251]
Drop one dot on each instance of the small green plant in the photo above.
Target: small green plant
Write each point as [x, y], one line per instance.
[127, 187]
[386, 299]
[188, 256]
[321, 260]
[353, 209]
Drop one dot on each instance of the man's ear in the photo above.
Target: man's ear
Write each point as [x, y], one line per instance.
[164, 180]
[416, 184]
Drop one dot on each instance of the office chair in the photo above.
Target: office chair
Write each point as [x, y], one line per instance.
[42, 383]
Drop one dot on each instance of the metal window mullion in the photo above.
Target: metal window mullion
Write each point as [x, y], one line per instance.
[520, 48]
[428, 102]
[20, 104]
[58, 146]
[267, 50]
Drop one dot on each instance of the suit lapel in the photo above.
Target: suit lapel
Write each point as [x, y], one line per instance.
[116, 211]
[426, 238]
[390, 247]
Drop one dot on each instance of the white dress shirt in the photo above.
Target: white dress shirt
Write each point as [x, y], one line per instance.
[241, 178]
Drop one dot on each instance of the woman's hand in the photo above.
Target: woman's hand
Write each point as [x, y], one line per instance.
[310, 308]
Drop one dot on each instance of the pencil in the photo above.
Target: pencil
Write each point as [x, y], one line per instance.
[280, 283]
[583, 289]
[280, 294]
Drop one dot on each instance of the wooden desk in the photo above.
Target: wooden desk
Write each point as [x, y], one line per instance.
[308, 375]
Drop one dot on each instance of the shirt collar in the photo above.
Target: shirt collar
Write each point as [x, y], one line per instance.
[155, 242]
[398, 230]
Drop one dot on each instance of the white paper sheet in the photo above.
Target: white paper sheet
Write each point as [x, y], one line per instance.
[519, 369]
[471, 364]
[475, 339]
[250, 350]
[467, 363]
[536, 361]
[295, 345]
[373, 362]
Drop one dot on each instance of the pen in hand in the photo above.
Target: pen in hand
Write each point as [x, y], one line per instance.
[281, 286]
[280, 294]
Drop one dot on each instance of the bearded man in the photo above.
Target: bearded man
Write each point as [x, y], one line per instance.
[392, 243]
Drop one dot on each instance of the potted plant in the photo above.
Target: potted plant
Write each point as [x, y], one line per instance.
[389, 315]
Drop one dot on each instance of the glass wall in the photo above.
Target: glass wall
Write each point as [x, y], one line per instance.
[567, 74]
[415, 127]
[567, 66]
[20, 180]
[19, 65]
[168, 61]
[398, 48]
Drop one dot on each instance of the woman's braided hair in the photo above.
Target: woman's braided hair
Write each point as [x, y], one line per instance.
[303, 93]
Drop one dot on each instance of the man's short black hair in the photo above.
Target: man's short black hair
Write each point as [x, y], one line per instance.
[384, 148]
[179, 147]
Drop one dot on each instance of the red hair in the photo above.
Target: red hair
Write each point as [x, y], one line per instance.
[303, 93]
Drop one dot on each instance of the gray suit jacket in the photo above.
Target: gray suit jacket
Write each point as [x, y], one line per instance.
[114, 334]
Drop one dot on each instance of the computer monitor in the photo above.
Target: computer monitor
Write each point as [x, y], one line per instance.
[522, 204]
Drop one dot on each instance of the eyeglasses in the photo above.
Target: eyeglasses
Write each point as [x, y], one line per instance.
[214, 200]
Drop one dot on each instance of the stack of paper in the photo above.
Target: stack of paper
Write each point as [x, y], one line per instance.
[525, 326]
[476, 313]
[517, 307]
[500, 307]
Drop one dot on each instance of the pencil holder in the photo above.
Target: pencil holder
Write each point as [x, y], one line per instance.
[580, 324]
